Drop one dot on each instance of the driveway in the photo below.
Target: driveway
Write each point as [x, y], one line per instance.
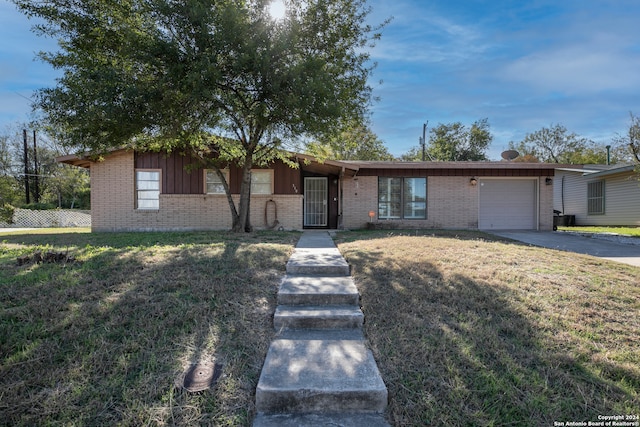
[618, 251]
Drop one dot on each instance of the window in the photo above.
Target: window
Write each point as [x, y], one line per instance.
[595, 198]
[402, 198]
[148, 189]
[213, 183]
[262, 181]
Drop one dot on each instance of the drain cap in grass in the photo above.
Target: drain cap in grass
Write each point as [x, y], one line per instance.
[200, 376]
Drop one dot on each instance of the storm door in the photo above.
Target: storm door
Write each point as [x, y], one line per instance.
[315, 201]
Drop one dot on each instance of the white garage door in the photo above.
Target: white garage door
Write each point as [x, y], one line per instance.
[507, 205]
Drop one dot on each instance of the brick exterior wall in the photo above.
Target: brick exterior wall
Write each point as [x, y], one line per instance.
[451, 203]
[546, 204]
[113, 205]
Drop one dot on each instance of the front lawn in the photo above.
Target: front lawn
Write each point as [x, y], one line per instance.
[467, 329]
[622, 231]
[471, 330]
[101, 340]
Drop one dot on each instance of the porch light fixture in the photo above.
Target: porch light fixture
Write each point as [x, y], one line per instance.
[548, 181]
[473, 181]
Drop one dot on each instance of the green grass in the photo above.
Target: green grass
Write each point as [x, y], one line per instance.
[623, 231]
[102, 340]
[471, 330]
[466, 328]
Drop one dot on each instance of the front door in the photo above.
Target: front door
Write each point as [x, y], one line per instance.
[315, 201]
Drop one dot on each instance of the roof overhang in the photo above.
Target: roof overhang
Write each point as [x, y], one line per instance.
[326, 167]
[82, 162]
[87, 159]
[452, 165]
[612, 171]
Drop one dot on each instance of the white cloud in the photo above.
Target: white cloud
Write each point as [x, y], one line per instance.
[418, 33]
[594, 66]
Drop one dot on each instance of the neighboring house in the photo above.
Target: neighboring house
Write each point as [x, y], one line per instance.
[151, 191]
[598, 194]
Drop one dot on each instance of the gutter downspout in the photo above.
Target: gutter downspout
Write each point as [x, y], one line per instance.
[562, 192]
[340, 192]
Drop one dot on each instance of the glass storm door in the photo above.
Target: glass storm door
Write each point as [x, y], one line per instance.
[315, 202]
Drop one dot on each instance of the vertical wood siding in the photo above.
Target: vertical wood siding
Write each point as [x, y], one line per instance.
[183, 175]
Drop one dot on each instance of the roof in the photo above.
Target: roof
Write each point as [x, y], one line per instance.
[612, 171]
[594, 171]
[74, 160]
[84, 160]
[335, 167]
[450, 165]
[351, 167]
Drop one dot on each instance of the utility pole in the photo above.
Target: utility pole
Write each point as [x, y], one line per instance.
[36, 188]
[424, 141]
[26, 167]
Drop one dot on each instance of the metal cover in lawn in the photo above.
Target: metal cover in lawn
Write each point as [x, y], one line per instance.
[200, 376]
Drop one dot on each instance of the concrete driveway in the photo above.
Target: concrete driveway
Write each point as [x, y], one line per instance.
[619, 251]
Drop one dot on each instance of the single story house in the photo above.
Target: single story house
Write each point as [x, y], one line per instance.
[152, 191]
[602, 195]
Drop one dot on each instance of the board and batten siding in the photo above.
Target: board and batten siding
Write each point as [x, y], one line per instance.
[621, 198]
[184, 175]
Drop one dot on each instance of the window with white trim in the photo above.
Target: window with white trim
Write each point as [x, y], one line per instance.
[262, 181]
[402, 198]
[147, 189]
[213, 184]
[595, 198]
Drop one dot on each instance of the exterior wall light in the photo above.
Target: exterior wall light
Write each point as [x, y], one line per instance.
[473, 181]
[548, 181]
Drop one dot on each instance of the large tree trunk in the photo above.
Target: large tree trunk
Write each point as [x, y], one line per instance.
[243, 223]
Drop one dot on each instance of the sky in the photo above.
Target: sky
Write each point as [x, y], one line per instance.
[522, 65]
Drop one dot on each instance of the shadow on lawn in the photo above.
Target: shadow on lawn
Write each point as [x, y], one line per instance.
[458, 351]
[102, 342]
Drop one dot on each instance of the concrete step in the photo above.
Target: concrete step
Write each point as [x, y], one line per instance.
[318, 290]
[320, 420]
[329, 375]
[318, 262]
[317, 317]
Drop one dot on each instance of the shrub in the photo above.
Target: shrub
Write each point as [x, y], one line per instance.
[6, 213]
[40, 206]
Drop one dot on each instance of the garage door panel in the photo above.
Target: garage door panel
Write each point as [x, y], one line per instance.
[507, 205]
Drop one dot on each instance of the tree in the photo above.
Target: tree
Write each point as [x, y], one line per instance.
[556, 145]
[354, 141]
[455, 142]
[9, 187]
[217, 79]
[413, 155]
[589, 153]
[628, 145]
[57, 185]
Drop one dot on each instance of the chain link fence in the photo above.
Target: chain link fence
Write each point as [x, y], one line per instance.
[27, 218]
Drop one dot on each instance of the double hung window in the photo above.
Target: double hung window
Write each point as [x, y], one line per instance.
[402, 198]
[262, 181]
[214, 183]
[148, 189]
[595, 198]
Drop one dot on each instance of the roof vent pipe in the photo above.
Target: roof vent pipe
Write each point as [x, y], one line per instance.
[608, 155]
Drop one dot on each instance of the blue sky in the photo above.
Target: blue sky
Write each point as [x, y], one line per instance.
[520, 64]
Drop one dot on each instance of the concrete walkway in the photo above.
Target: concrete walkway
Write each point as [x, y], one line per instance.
[318, 370]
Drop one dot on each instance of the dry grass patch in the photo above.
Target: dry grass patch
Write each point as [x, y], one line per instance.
[101, 341]
[471, 330]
